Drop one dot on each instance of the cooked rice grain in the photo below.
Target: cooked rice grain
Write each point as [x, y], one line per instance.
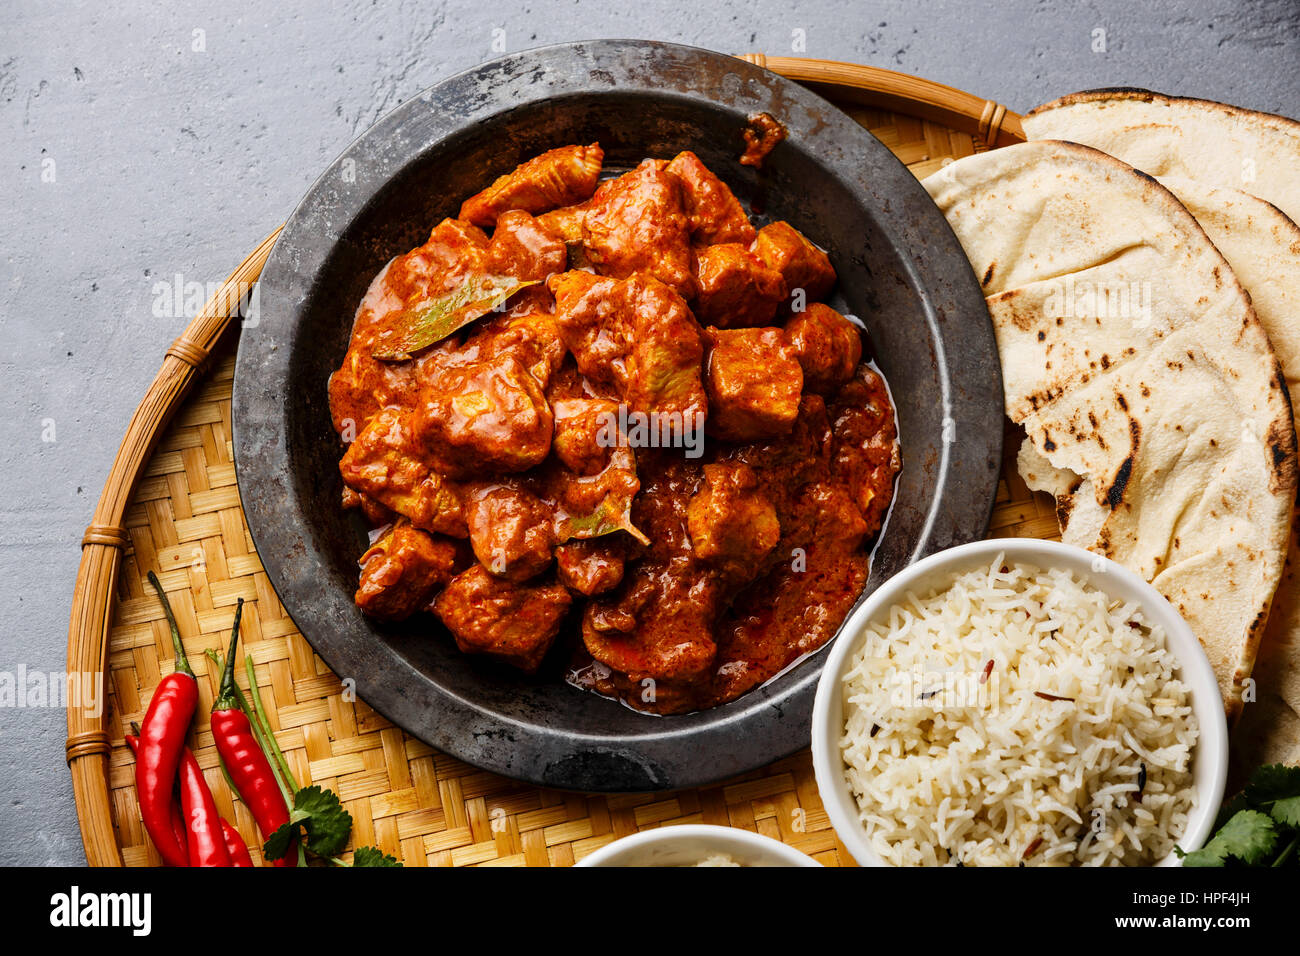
[995, 771]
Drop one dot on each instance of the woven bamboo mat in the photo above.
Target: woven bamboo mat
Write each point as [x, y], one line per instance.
[420, 805]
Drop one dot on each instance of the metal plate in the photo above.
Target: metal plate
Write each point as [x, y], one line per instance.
[900, 270]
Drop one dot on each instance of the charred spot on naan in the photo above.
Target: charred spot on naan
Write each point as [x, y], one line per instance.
[1119, 483]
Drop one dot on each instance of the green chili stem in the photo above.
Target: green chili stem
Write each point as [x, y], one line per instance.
[256, 728]
[182, 662]
[260, 713]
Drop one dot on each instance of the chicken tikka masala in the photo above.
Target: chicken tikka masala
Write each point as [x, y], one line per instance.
[614, 408]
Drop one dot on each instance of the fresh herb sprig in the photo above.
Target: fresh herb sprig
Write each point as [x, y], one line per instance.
[317, 820]
[1258, 827]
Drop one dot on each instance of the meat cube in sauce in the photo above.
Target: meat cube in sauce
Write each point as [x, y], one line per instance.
[583, 433]
[511, 530]
[801, 264]
[636, 336]
[737, 288]
[714, 213]
[528, 334]
[637, 223]
[668, 637]
[566, 222]
[589, 567]
[401, 570]
[486, 415]
[376, 513]
[363, 384]
[558, 177]
[865, 451]
[828, 346]
[754, 383]
[733, 525]
[384, 464]
[525, 248]
[658, 624]
[515, 623]
[506, 464]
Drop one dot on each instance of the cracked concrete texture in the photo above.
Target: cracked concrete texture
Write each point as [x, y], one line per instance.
[144, 142]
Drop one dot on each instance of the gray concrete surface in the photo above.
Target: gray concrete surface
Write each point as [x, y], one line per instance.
[145, 140]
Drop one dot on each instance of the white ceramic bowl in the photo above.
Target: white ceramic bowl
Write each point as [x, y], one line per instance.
[1209, 759]
[688, 844]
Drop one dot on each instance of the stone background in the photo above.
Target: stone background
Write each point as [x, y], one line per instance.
[169, 155]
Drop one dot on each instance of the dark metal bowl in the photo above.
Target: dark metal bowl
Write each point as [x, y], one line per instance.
[900, 269]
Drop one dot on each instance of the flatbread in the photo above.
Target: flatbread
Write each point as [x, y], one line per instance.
[1199, 149]
[1154, 405]
[1216, 144]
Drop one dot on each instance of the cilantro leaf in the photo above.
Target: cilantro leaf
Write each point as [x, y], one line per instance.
[326, 822]
[369, 856]
[277, 844]
[1249, 837]
[1275, 789]
[319, 816]
[1229, 810]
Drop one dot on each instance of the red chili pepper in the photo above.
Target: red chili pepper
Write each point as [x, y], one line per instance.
[177, 822]
[203, 824]
[161, 739]
[243, 756]
[235, 846]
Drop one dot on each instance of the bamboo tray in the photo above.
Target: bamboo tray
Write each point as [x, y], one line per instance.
[171, 504]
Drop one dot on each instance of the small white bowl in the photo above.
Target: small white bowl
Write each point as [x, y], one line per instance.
[689, 844]
[1209, 759]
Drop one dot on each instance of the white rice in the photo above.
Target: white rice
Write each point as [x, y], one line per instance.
[717, 859]
[981, 771]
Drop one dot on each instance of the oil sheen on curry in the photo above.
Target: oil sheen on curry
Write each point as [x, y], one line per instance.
[607, 419]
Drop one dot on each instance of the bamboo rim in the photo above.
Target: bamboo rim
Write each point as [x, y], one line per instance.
[992, 123]
[106, 539]
[88, 744]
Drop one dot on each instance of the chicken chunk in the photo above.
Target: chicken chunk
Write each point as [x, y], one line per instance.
[732, 525]
[363, 384]
[658, 624]
[585, 431]
[802, 265]
[736, 288]
[375, 513]
[754, 383]
[558, 177]
[865, 451]
[635, 335]
[566, 222]
[715, 215]
[589, 567]
[637, 223]
[401, 570]
[525, 248]
[487, 414]
[514, 623]
[384, 464]
[827, 345]
[531, 336]
[511, 530]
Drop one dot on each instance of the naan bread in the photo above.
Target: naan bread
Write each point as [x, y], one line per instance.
[1199, 150]
[1216, 144]
[1155, 408]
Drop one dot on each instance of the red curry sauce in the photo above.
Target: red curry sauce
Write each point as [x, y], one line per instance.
[506, 502]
